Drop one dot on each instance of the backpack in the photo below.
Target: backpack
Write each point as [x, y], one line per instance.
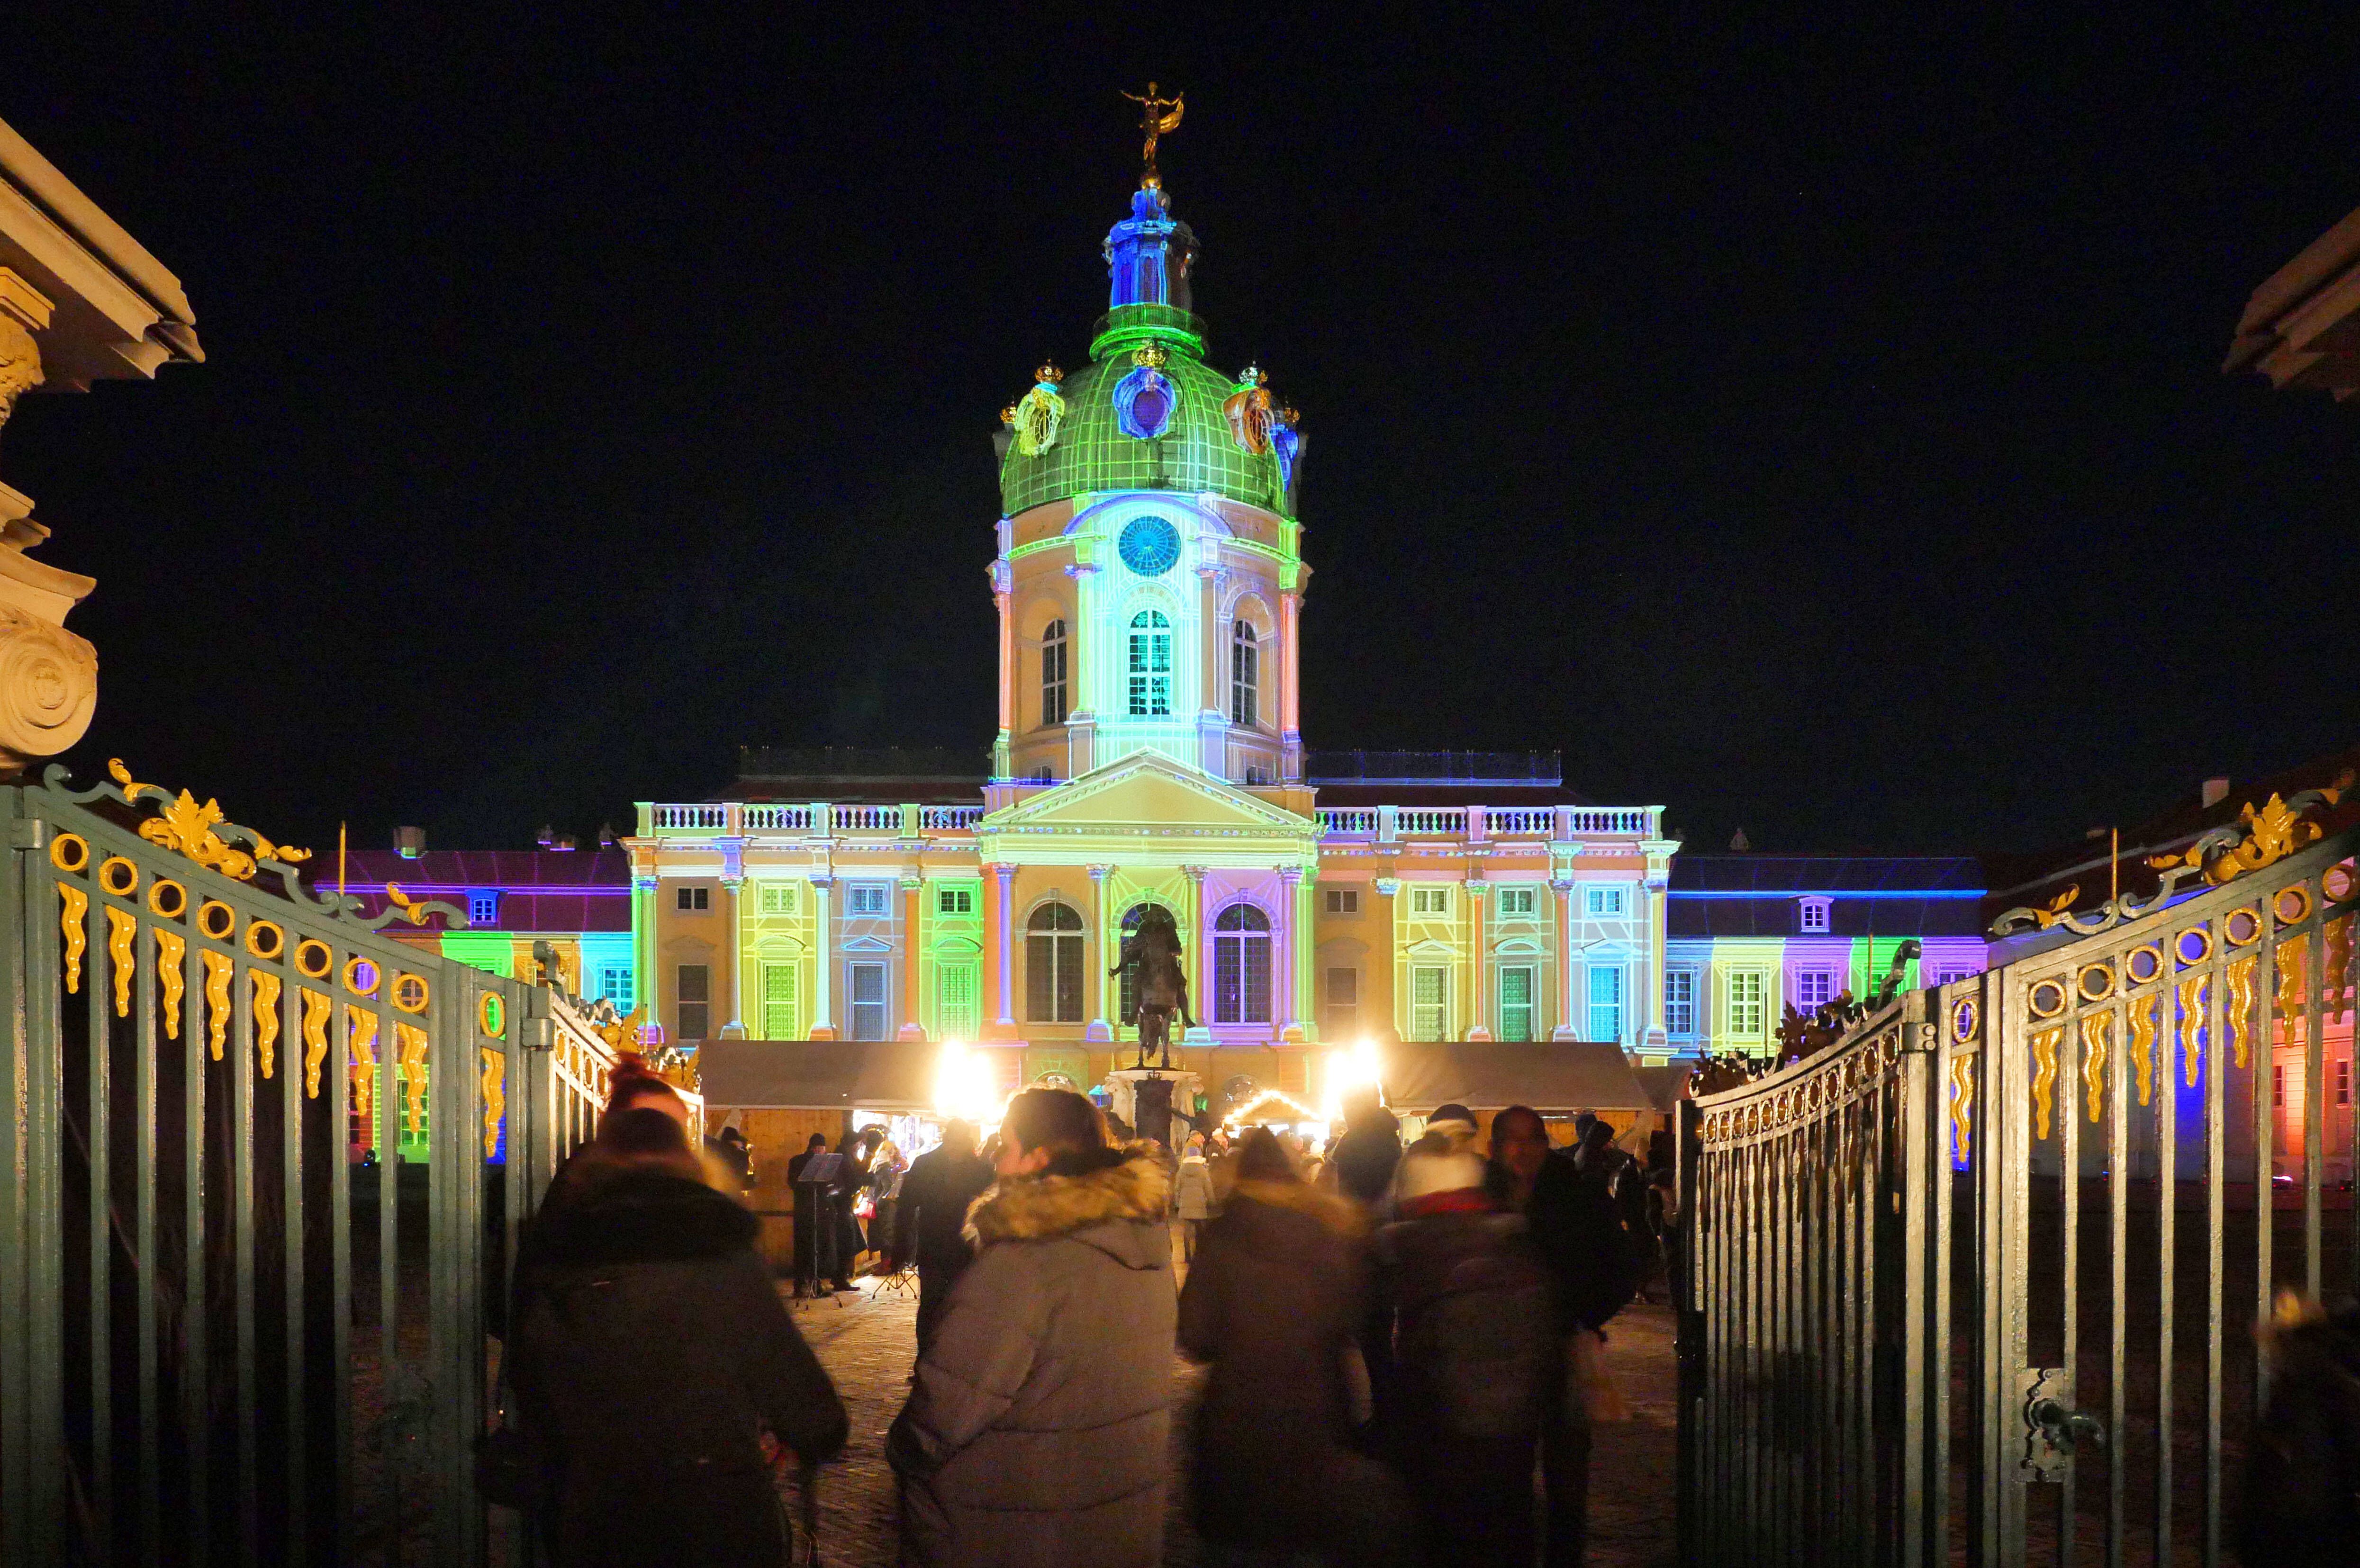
[1486, 1342]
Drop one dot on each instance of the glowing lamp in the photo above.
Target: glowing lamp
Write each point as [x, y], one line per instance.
[1349, 1071]
[966, 1088]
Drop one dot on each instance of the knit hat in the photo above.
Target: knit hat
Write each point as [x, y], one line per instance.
[1437, 1164]
[1452, 1111]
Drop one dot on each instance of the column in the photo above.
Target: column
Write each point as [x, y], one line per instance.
[914, 1018]
[1000, 586]
[734, 889]
[1197, 962]
[1656, 1038]
[1479, 1009]
[1561, 970]
[643, 947]
[1396, 975]
[1212, 711]
[1290, 722]
[822, 1025]
[1083, 641]
[1285, 1022]
[1002, 919]
[1305, 950]
[1095, 953]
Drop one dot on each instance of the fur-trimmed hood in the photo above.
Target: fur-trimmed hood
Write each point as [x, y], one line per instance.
[1047, 1208]
[1338, 1215]
[643, 1217]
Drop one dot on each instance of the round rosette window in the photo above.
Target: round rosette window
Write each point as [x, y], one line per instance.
[1145, 399]
[1149, 546]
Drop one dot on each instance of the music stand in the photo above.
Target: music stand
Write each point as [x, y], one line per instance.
[818, 1174]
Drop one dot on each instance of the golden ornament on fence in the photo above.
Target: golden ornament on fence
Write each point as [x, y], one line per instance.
[171, 953]
[219, 972]
[266, 1019]
[316, 1008]
[70, 925]
[184, 826]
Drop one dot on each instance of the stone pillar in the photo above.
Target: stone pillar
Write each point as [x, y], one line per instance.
[1561, 970]
[49, 677]
[1095, 954]
[1290, 724]
[1196, 961]
[1212, 709]
[1656, 1038]
[1001, 583]
[1396, 971]
[1301, 953]
[1082, 643]
[1479, 1010]
[1003, 936]
[734, 889]
[644, 915]
[822, 1026]
[913, 894]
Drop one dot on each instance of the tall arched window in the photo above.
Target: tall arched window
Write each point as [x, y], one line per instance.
[1053, 965]
[1245, 675]
[1151, 665]
[1053, 674]
[1242, 966]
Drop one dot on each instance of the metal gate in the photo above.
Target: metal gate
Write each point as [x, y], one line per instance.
[1979, 1281]
[252, 1218]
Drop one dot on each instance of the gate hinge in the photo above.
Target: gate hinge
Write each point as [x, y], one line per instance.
[28, 833]
[538, 1034]
[1922, 1038]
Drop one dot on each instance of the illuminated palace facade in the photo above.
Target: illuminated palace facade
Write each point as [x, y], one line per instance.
[1149, 573]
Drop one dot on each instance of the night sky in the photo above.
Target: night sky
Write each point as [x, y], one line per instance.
[1822, 431]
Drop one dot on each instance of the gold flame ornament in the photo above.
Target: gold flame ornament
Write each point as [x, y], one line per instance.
[70, 925]
[1040, 413]
[494, 1084]
[183, 826]
[172, 954]
[409, 1042]
[266, 1019]
[316, 1008]
[218, 973]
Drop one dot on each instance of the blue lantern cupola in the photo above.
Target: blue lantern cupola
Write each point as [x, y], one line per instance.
[1149, 254]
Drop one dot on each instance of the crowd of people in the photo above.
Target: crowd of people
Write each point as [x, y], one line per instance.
[1400, 1339]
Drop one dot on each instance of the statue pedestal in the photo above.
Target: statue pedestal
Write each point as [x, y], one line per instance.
[1138, 1093]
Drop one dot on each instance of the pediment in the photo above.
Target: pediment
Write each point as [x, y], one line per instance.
[1143, 792]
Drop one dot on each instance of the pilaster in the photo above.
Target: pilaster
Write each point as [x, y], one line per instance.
[1561, 968]
[913, 1023]
[1001, 891]
[1479, 1010]
[823, 1024]
[1099, 1031]
[1197, 963]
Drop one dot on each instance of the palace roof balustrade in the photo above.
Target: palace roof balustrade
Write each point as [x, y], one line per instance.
[1373, 824]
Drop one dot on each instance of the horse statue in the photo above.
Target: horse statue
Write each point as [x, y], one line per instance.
[1159, 988]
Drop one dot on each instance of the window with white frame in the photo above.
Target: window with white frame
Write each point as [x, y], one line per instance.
[1053, 965]
[1948, 974]
[868, 992]
[1679, 1002]
[1602, 902]
[482, 906]
[695, 898]
[1814, 989]
[1516, 1002]
[1245, 676]
[1516, 903]
[619, 984]
[1429, 1001]
[954, 900]
[1747, 989]
[781, 897]
[1429, 899]
[1605, 1002]
[2343, 1080]
[693, 993]
[865, 898]
[1343, 901]
[1053, 674]
[1242, 966]
[1811, 916]
[955, 992]
[782, 1001]
[1343, 1001]
[1151, 665]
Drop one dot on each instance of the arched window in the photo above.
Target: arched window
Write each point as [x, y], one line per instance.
[1151, 665]
[1242, 966]
[1245, 675]
[1053, 674]
[1053, 965]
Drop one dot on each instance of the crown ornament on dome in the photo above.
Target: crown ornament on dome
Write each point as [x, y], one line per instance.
[1048, 375]
[1154, 355]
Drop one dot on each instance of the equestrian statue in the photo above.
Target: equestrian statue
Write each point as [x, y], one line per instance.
[1159, 988]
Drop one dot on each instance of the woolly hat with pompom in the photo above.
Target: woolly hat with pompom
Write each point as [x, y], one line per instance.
[1437, 1164]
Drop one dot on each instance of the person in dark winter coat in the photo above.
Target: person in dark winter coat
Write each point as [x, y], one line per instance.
[1273, 1302]
[2302, 1469]
[1475, 1345]
[1363, 1160]
[647, 1418]
[1036, 1433]
[930, 1220]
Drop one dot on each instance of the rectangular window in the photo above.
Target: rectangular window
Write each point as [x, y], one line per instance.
[1679, 1001]
[1245, 678]
[1515, 903]
[1602, 902]
[1605, 1002]
[1052, 675]
[779, 898]
[696, 898]
[782, 1009]
[2278, 1084]
[1517, 1003]
[1151, 671]
[955, 900]
[1343, 1002]
[1429, 901]
[1430, 994]
[1814, 989]
[1812, 915]
[483, 907]
[954, 1000]
[1343, 901]
[692, 989]
[865, 898]
[1746, 990]
[868, 990]
[2344, 1082]
[618, 985]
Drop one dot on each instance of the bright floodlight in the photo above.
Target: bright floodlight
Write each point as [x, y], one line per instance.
[1347, 1070]
[965, 1087]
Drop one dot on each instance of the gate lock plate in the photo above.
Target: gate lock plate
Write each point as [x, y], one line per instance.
[2053, 1429]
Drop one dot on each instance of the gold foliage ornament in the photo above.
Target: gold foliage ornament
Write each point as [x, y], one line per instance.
[1248, 410]
[2262, 836]
[184, 826]
[1040, 412]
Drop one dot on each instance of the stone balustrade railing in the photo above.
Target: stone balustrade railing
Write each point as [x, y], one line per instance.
[739, 819]
[734, 818]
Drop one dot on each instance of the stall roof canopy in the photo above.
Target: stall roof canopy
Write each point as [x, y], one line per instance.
[818, 1074]
[1558, 1075]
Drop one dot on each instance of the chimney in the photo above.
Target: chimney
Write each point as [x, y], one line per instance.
[2215, 792]
[409, 843]
[1739, 843]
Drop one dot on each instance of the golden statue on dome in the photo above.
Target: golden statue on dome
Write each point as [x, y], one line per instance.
[1154, 120]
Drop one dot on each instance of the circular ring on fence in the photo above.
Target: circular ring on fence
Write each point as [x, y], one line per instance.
[2242, 927]
[167, 899]
[409, 993]
[2048, 999]
[2192, 946]
[1965, 1016]
[69, 852]
[2143, 963]
[2300, 892]
[2095, 981]
[265, 939]
[492, 1015]
[118, 877]
[311, 955]
[2350, 875]
[215, 919]
[362, 976]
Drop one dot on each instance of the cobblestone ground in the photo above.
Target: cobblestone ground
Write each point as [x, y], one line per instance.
[867, 1345]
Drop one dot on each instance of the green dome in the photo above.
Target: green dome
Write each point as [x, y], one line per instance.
[1092, 452]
